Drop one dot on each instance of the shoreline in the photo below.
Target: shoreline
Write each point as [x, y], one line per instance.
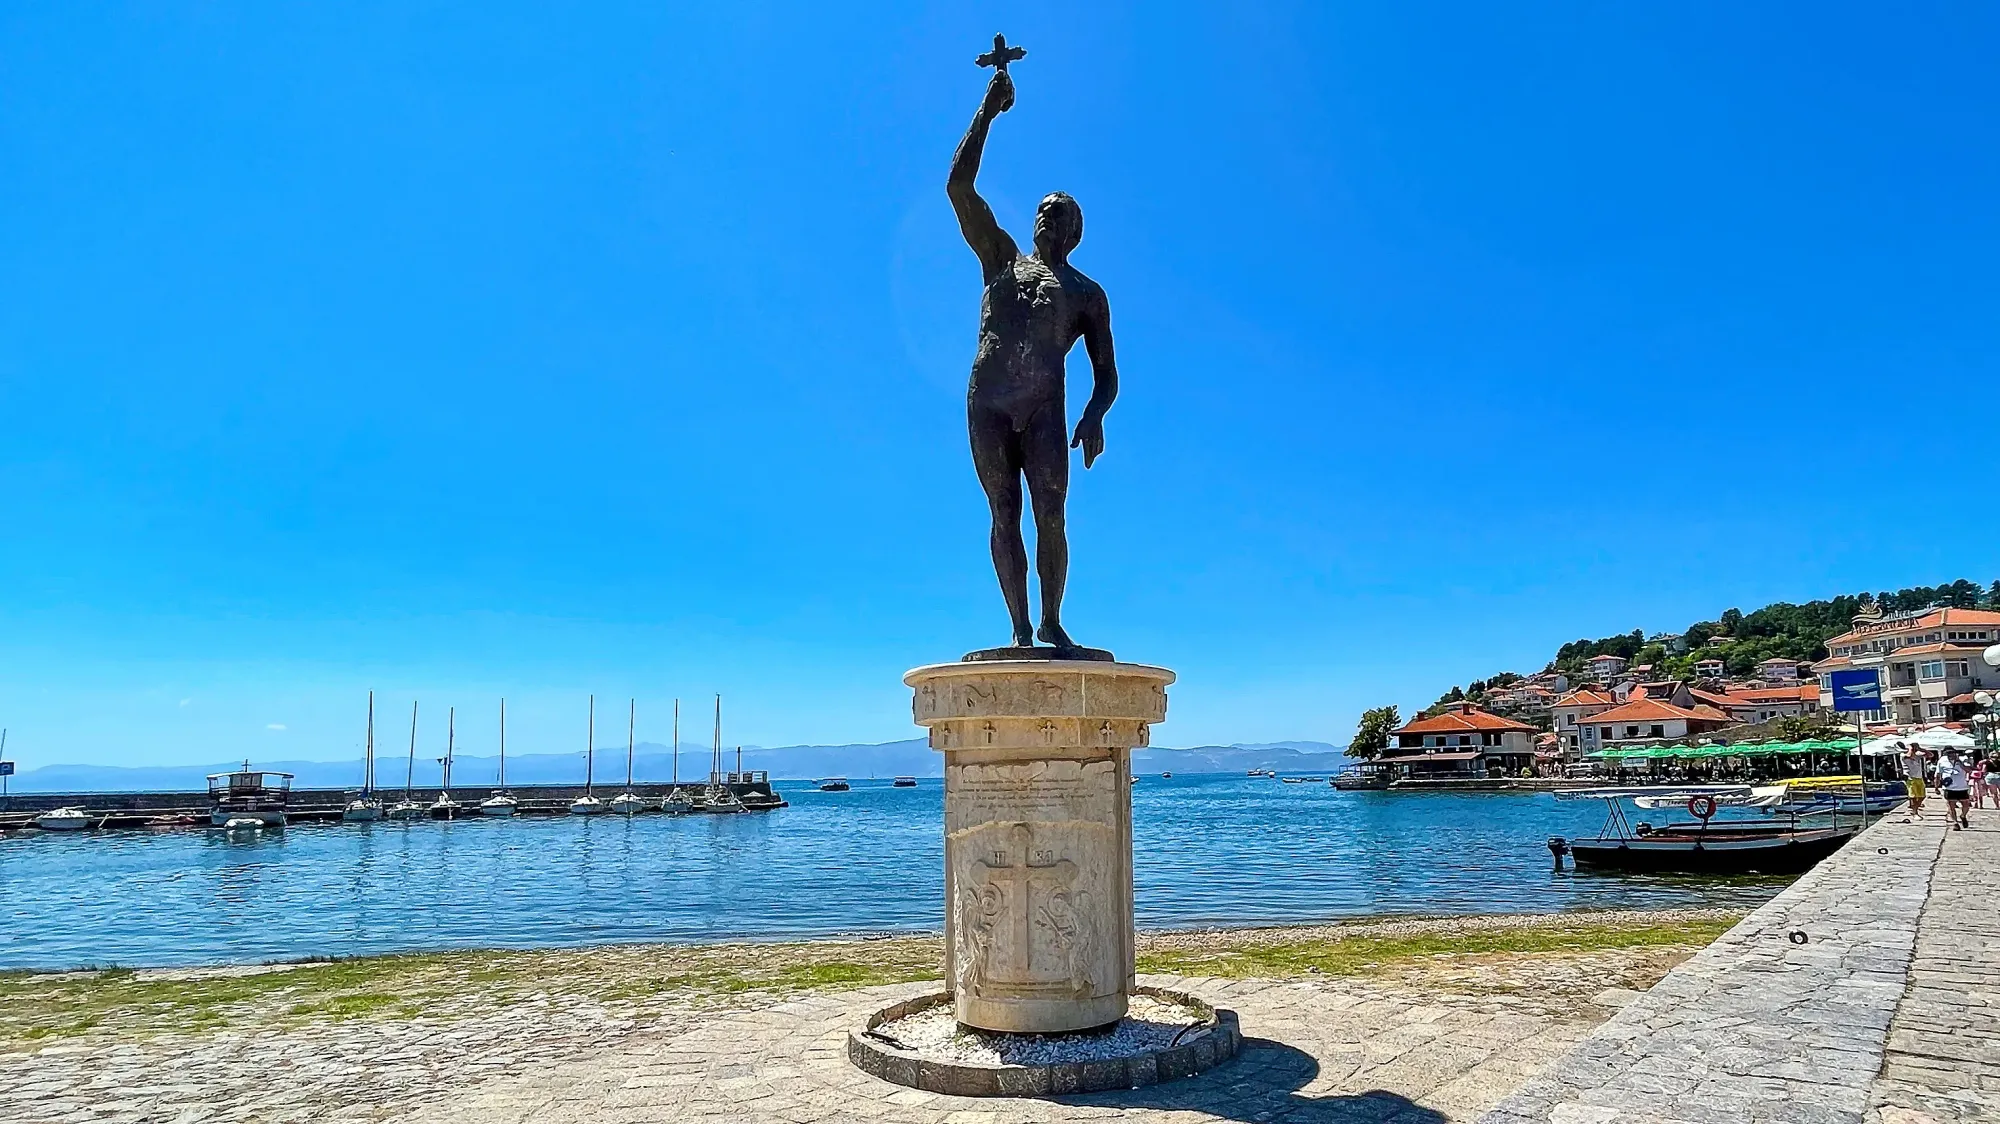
[1392, 924]
[640, 984]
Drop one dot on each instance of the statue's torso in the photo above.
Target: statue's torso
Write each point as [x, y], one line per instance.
[1029, 318]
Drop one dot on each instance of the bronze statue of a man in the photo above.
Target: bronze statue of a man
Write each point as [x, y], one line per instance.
[1035, 308]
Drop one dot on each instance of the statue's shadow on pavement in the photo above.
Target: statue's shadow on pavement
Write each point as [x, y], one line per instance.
[1263, 1083]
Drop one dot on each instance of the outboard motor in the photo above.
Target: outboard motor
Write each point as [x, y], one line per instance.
[1558, 847]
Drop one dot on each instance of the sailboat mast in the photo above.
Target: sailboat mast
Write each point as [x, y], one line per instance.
[677, 741]
[631, 724]
[368, 769]
[450, 737]
[590, 749]
[503, 745]
[410, 776]
[715, 750]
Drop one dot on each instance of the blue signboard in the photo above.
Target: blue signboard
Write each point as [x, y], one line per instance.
[1856, 690]
[6, 768]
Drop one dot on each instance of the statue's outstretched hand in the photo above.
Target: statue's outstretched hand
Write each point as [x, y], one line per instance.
[1000, 93]
[1090, 437]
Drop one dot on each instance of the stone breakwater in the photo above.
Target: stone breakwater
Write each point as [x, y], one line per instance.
[1868, 991]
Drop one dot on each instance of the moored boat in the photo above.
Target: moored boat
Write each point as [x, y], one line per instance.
[629, 803]
[834, 784]
[247, 793]
[66, 819]
[407, 808]
[1707, 846]
[588, 804]
[444, 807]
[365, 807]
[501, 802]
[911, 782]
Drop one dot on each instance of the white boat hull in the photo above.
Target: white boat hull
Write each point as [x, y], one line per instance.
[267, 817]
[499, 806]
[587, 806]
[361, 811]
[405, 812]
[67, 823]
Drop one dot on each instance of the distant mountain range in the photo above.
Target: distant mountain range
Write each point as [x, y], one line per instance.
[654, 763]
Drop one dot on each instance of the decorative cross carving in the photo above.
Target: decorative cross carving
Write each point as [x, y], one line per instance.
[1020, 881]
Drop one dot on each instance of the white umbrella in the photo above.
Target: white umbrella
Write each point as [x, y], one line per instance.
[1882, 746]
[1937, 737]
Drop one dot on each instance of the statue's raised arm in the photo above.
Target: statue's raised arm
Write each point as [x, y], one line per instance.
[994, 246]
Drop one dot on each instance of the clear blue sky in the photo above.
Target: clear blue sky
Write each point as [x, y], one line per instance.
[461, 350]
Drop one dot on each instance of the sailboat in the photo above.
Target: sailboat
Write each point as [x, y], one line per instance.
[588, 805]
[365, 807]
[444, 807]
[628, 803]
[502, 802]
[678, 803]
[717, 797]
[407, 808]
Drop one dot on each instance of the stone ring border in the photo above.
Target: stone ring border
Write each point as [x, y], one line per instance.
[878, 1058]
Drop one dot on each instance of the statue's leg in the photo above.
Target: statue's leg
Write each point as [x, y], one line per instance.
[996, 456]
[1045, 461]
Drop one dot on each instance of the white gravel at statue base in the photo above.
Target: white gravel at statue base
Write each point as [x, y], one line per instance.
[1151, 1025]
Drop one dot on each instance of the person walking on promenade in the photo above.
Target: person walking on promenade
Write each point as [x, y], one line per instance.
[1957, 783]
[1979, 769]
[1911, 759]
[1992, 787]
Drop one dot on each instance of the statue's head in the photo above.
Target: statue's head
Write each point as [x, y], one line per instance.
[1058, 226]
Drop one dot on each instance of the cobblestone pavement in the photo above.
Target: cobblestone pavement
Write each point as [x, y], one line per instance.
[1322, 1049]
[1869, 990]
[1943, 1056]
[1316, 1051]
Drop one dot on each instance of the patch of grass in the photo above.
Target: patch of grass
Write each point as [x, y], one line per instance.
[1364, 955]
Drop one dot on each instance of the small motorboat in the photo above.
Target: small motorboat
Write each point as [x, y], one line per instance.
[1166, 776]
[834, 784]
[244, 825]
[1707, 846]
[259, 794]
[1362, 778]
[445, 808]
[719, 800]
[67, 819]
[903, 782]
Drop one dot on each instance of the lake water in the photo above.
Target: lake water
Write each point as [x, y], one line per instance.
[1209, 850]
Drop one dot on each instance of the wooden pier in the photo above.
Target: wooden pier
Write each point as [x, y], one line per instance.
[315, 805]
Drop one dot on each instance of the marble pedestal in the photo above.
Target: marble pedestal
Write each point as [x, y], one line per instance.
[1038, 834]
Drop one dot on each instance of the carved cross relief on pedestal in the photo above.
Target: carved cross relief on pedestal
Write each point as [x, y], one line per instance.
[1024, 872]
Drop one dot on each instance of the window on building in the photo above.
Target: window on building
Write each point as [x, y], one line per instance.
[1933, 710]
[1657, 732]
[1631, 731]
[1957, 668]
[1570, 719]
[1604, 732]
[1931, 669]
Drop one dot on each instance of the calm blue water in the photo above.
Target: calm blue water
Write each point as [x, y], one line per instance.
[1211, 849]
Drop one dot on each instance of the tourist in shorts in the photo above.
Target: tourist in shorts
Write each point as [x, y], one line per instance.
[1913, 762]
[1979, 783]
[1957, 784]
[1992, 781]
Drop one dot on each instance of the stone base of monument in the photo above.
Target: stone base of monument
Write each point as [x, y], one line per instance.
[1168, 1035]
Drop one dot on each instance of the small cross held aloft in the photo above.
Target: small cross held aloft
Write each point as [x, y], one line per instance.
[1001, 54]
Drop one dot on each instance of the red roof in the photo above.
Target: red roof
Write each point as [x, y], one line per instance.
[1460, 718]
[1653, 710]
[1455, 755]
[1932, 649]
[1936, 618]
[1775, 694]
[1585, 696]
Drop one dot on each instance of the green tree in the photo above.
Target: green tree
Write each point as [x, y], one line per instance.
[1371, 734]
[1993, 596]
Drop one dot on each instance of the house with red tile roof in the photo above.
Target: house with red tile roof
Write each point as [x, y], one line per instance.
[1570, 714]
[1463, 741]
[1927, 660]
[1649, 721]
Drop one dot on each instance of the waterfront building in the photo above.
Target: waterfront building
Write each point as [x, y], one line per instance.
[1777, 670]
[1571, 714]
[1928, 661]
[1649, 721]
[1464, 741]
[1711, 667]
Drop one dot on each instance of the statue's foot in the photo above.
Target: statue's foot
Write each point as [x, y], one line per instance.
[1052, 633]
[1023, 638]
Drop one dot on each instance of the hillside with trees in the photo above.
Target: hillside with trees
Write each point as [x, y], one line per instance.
[1785, 630]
